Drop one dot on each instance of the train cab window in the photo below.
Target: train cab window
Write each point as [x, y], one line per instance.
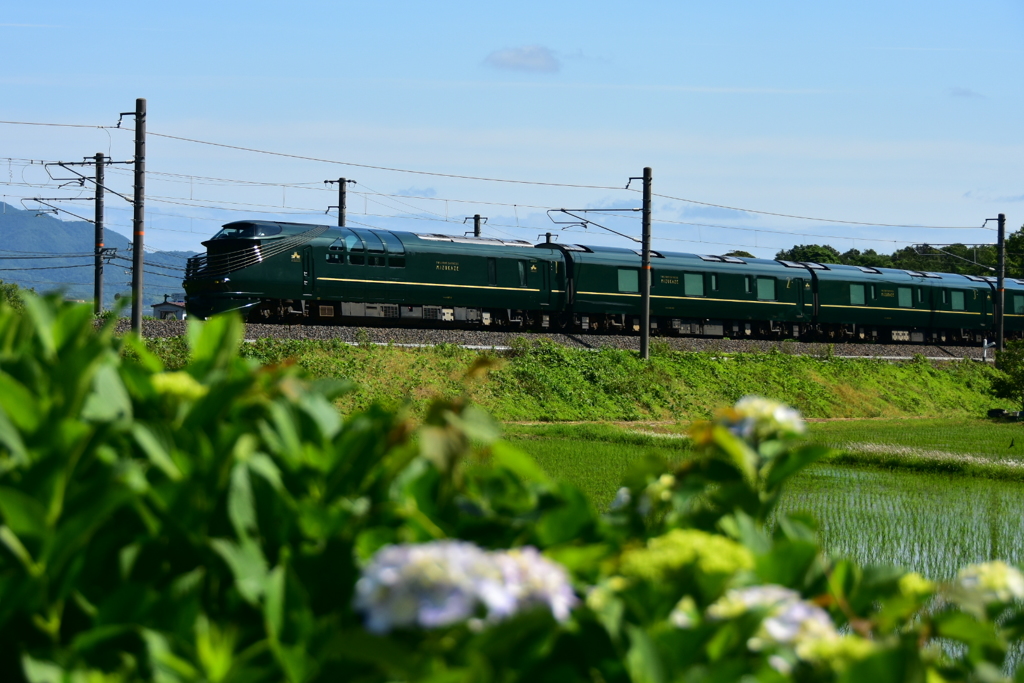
[693, 284]
[714, 282]
[957, 300]
[857, 295]
[492, 271]
[1018, 304]
[247, 231]
[629, 280]
[906, 297]
[766, 289]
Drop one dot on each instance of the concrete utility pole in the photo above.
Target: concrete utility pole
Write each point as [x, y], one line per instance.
[98, 224]
[645, 271]
[1000, 277]
[342, 198]
[139, 216]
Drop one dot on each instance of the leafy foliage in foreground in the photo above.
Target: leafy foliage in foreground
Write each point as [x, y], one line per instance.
[217, 523]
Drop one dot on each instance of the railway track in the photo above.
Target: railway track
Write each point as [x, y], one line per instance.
[489, 339]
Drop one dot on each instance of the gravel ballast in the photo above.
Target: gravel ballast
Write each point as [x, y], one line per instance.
[491, 339]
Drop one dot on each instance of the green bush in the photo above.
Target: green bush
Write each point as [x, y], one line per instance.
[222, 522]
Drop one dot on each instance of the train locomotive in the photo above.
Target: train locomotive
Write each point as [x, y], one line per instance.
[314, 274]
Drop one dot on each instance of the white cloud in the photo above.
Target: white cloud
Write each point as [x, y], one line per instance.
[417, 192]
[964, 92]
[535, 58]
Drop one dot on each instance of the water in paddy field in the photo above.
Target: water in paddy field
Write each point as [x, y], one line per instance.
[929, 523]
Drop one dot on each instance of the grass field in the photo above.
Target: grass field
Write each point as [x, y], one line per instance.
[947, 493]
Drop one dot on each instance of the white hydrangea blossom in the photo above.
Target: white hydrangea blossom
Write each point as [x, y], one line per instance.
[530, 579]
[761, 417]
[436, 584]
[789, 620]
[992, 582]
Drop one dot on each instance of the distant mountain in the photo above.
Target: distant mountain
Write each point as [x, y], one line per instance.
[46, 254]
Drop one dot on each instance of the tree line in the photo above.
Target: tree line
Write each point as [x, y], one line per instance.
[955, 258]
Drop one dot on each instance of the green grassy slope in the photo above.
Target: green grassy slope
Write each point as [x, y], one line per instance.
[545, 382]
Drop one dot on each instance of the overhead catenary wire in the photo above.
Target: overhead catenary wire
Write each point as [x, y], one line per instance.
[821, 220]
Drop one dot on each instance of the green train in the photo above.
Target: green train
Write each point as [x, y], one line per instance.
[297, 273]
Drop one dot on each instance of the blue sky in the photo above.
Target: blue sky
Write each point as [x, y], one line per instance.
[896, 113]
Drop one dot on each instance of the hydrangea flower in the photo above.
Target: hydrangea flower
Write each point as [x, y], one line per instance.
[789, 620]
[533, 580]
[436, 584]
[757, 418]
[665, 556]
[992, 582]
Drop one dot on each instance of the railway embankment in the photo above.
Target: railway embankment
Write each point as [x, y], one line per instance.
[540, 380]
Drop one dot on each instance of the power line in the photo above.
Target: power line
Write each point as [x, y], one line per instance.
[56, 125]
[381, 168]
[821, 220]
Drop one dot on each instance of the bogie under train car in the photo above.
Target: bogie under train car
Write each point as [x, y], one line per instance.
[296, 273]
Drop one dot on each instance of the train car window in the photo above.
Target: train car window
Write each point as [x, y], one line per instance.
[629, 280]
[374, 245]
[357, 259]
[1018, 304]
[375, 260]
[522, 274]
[766, 288]
[714, 282]
[337, 245]
[747, 286]
[857, 295]
[874, 292]
[492, 271]
[920, 295]
[693, 284]
[335, 258]
[396, 261]
[906, 297]
[943, 296]
[353, 243]
[393, 244]
[957, 300]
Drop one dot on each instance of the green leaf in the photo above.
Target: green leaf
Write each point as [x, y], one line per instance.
[241, 505]
[11, 438]
[643, 660]
[109, 400]
[38, 671]
[566, 521]
[248, 565]
[155, 452]
[19, 403]
[25, 515]
[14, 544]
[168, 667]
[511, 458]
[785, 466]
